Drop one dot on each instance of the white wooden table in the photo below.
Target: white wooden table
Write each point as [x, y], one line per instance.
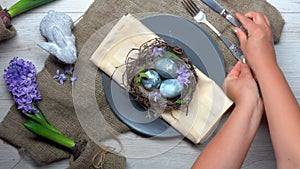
[149, 153]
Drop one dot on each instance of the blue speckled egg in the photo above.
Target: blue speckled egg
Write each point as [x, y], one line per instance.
[170, 88]
[166, 67]
[153, 80]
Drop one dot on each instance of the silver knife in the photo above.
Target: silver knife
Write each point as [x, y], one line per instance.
[223, 12]
[235, 50]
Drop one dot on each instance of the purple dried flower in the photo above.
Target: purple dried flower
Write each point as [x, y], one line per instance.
[183, 75]
[60, 77]
[73, 79]
[69, 69]
[20, 79]
[155, 96]
[156, 51]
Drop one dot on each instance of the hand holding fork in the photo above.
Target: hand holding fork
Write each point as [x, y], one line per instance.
[200, 17]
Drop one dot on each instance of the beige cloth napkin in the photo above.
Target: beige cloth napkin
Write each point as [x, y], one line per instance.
[209, 101]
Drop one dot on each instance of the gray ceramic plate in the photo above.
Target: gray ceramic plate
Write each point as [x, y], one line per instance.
[201, 49]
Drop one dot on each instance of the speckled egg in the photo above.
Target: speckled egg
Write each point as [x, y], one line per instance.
[166, 67]
[153, 80]
[170, 88]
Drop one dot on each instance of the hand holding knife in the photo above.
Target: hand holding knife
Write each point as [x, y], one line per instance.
[223, 12]
[236, 51]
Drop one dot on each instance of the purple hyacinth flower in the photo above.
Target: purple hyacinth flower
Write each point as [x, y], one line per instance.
[156, 51]
[20, 79]
[183, 75]
[60, 77]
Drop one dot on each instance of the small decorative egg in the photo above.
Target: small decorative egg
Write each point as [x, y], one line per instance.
[170, 88]
[166, 67]
[153, 80]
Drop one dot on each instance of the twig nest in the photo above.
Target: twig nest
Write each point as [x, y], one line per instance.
[160, 76]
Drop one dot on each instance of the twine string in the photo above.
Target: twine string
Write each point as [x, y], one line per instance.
[98, 159]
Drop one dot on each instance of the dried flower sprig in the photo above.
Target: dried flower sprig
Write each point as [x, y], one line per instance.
[183, 75]
[73, 79]
[158, 51]
[62, 77]
[69, 69]
[155, 96]
[20, 78]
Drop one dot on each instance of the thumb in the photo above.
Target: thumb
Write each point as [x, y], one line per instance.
[245, 70]
[241, 36]
[235, 71]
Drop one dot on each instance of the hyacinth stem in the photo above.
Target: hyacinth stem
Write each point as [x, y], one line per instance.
[25, 5]
[37, 119]
[40, 118]
[49, 134]
[42, 127]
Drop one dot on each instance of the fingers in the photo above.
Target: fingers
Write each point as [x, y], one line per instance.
[256, 17]
[235, 71]
[250, 21]
[246, 22]
[239, 70]
[233, 74]
[245, 71]
[252, 18]
[241, 35]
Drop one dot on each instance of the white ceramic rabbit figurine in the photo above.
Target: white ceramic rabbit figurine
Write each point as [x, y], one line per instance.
[57, 28]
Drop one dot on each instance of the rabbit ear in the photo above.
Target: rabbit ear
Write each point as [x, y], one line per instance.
[49, 47]
[59, 37]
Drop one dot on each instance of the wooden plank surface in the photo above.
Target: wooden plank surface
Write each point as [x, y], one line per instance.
[183, 153]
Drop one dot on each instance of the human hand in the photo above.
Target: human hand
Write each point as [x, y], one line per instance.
[258, 47]
[240, 86]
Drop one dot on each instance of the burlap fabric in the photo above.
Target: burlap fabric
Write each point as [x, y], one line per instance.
[57, 102]
[6, 33]
[108, 11]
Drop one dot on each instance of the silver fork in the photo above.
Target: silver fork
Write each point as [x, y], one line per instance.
[200, 17]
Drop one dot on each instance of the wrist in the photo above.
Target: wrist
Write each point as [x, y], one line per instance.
[249, 107]
[260, 58]
[249, 99]
[249, 119]
[266, 70]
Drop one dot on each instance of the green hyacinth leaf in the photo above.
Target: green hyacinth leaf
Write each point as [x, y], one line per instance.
[25, 5]
[49, 134]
